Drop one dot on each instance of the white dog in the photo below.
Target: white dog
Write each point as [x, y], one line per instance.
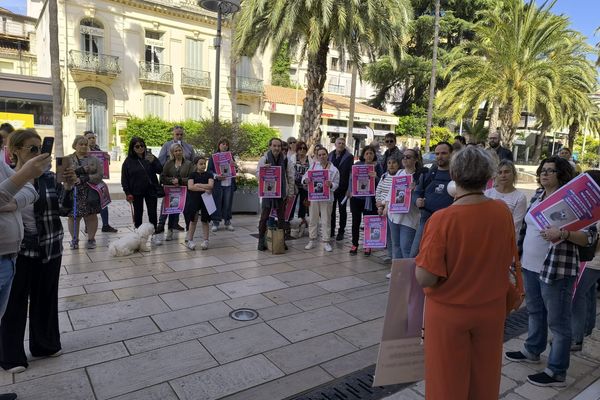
[297, 228]
[132, 242]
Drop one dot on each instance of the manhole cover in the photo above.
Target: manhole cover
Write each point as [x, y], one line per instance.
[243, 314]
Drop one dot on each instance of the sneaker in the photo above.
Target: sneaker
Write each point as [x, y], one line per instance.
[8, 396]
[204, 245]
[16, 370]
[353, 250]
[160, 228]
[543, 379]
[519, 357]
[309, 245]
[327, 247]
[169, 235]
[91, 244]
[179, 228]
[230, 228]
[108, 228]
[389, 276]
[214, 228]
[577, 346]
[340, 236]
[58, 353]
[190, 244]
[156, 240]
[367, 252]
[74, 244]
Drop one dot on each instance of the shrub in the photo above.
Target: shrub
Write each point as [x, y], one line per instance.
[258, 138]
[153, 130]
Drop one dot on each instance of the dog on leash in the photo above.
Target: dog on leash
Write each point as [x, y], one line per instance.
[132, 242]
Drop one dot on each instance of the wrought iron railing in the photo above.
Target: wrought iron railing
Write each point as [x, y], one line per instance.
[157, 73]
[248, 85]
[94, 62]
[338, 89]
[195, 78]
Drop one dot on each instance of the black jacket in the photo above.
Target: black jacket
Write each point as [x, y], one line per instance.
[504, 153]
[344, 165]
[138, 176]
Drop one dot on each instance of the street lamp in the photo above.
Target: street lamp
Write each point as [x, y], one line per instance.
[221, 7]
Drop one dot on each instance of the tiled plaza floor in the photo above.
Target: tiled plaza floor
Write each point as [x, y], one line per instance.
[156, 326]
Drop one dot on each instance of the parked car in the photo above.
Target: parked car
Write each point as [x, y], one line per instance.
[429, 159]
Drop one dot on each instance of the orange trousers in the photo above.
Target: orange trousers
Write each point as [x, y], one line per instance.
[463, 350]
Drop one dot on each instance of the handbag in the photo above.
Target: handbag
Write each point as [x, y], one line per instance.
[587, 253]
[276, 240]
[516, 291]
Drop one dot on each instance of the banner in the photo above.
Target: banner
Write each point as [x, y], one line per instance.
[224, 164]
[104, 159]
[174, 200]
[103, 193]
[375, 231]
[573, 207]
[317, 189]
[289, 208]
[269, 182]
[363, 185]
[401, 354]
[400, 194]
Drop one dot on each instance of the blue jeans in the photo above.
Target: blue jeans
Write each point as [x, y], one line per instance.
[104, 216]
[223, 196]
[584, 304]
[7, 272]
[549, 306]
[414, 249]
[402, 239]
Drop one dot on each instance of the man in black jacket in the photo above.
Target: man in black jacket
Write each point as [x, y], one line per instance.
[343, 161]
[494, 142]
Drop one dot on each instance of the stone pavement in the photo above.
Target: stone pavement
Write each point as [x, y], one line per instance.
[156, 325]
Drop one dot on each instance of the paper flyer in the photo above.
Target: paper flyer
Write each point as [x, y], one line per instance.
[209, 203]
[363, 185]
[104, 159]
[269, 182]
[400, 194]
[573, 207]
[317, 189]
[224, 164]
[401, 354]
[174, 200]
[103, 193]
[289, 208]
[375, 231]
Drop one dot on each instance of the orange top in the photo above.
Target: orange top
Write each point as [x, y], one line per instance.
[472, 246]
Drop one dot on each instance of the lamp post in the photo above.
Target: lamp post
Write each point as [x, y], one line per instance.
[222, 8]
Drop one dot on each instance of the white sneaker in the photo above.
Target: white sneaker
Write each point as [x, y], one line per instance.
[327, 247]
[204, 245]
[16, 370]
[156, 240]
[190, 244]
[389, 276]
[214, 228]
[230, 228]
[309, 245]
[169, 235]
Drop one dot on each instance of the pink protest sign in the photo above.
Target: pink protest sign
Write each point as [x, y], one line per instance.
[224, 164]
[400, 194]
[317, 189]
[269, 182]
[174, 200]
[363, 185]
[104, 159]
[375, 231]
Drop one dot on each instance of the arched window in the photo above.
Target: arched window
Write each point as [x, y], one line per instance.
[154, 105]
[193, 109]
[92, 35]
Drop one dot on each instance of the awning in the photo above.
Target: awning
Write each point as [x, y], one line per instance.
[25, 88]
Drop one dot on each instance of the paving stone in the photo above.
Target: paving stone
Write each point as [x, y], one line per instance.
[506, 384]
[137, 271]
[161, 258]
[333, 271]
[194, 263]
[142, 370]
[300, 277]
[406, 394]
[273, 260]
[295, 293]
[105, 256]
[252, 301]
[193, 297]
[285, 387]
[278, 311]
[531, 392]
[86, 300]
[364, 291]
[76, 268]
[74, 258]
[101, 287]
[366, 308]
[210, 280]
[361, 266]
[64, 323]
[249, 273]
[363, 335]
[158, 392]
[308, 261]
[70, 291]
[99, 335]
[320, 301]
[72, 385]
[226, 379]
[242, 256]
[339, 284]
[308, 353]
[86, 278]
[167, 338]
[108, 313]
[236, 266]
[519, 371]
[193, 315]
[251, 286]
[152, 289]
[374, 276]
[226, 323]
[513, 396]
[312, 323]
[352, 362]
[170, 276]
[70, 361]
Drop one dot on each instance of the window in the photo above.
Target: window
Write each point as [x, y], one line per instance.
[193, 53]
[245, 68]
[193, 109]
[335, 63]
[243, 112]
[154, 50]
[383, 127]
[153, 105]
[92, 35]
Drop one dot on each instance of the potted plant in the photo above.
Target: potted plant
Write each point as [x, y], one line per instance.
[245, 199]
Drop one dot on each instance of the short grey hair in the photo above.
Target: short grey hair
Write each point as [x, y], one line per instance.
[472, 167]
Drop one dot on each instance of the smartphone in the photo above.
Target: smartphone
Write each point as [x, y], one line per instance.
[47, 145]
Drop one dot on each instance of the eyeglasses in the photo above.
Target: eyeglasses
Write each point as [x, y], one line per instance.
[390, 141]
[139, 146]
[548, 171]
[33, 148]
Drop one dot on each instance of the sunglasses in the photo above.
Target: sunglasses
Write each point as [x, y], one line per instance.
[139, 146]
[390, 141]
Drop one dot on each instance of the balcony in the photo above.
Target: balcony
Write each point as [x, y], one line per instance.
[83, 64]
[153, 73]
[195, 79]
[248, 86]
[337, 89]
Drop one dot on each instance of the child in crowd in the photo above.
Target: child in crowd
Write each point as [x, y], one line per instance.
[199, 182]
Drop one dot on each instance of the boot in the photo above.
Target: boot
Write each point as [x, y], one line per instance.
[262, 243]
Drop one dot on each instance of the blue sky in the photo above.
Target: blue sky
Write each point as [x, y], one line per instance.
[582, 13]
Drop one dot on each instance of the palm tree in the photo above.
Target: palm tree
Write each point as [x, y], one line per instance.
[57, 96]
[510, 63]
[355, 27]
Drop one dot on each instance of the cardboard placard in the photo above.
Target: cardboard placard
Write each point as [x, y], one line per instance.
[400, 194]
[104, 159]
[269, 182]
[224, 164]
[363, 185]
[317, 189]
[174, 200]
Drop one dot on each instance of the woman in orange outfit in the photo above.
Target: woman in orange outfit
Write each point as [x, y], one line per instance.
[463, 264]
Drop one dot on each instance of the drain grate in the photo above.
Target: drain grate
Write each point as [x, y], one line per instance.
[357, 386]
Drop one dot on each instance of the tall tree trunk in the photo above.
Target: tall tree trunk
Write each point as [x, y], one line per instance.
[436, 35]
[494, 116]
[57, 95]
[539, 144]
[573, 131]
[233, 75]
[507, 130]
[312, 107]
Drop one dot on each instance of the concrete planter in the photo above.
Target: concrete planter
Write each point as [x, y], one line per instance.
[246, 201]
